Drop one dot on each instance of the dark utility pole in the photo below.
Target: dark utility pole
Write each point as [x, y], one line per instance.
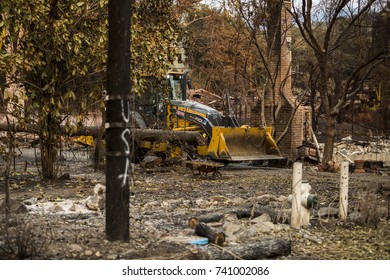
[117, 121]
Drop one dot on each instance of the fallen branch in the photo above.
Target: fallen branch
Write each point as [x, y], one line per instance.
[212, 218]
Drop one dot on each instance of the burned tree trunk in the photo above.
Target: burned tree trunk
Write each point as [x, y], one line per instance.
[190, 137]
[263, 249]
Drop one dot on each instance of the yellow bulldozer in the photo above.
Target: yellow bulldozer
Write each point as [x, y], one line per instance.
[195, 129]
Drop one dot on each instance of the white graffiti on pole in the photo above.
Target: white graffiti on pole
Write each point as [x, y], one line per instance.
[126, 118]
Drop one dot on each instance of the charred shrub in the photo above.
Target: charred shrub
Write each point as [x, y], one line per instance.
[21, 239]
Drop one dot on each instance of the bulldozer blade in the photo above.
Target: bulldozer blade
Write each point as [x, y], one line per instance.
[243, 144]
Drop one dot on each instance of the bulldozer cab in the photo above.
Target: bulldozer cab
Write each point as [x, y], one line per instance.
[177, 81]
[154, 103]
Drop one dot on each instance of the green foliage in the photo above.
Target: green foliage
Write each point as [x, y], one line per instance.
[56, 52]
[154, 37]
[54, 48]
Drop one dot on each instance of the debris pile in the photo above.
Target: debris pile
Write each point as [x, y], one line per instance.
[371, 154]
[378, 151]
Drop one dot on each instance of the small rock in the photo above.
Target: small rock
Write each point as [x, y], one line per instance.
[231, 228]
[230, 217]
[247, 234]
[237, 201]
[95, 202]
[75, 248]
[265, 227]
[111, 257]
[55, 208]
[88, 253]
[72, 208]
[31, 201]
[269, 224]
[99, 189]
[165, 204]
[98, 254]
[261, 219]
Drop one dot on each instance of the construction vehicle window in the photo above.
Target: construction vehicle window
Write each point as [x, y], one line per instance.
[175, 84]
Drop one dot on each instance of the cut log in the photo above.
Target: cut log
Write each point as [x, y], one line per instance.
[192, 222]
[242, 213]
[202, 229]
[263, 249]
[210, 218]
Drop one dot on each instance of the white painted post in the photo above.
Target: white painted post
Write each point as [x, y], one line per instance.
[343, 195]
[296, 196]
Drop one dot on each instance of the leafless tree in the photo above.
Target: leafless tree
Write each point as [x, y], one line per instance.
[327, 27]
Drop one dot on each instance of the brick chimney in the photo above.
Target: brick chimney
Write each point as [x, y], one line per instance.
[279, 100]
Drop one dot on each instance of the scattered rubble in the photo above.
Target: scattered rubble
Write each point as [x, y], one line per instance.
[371, 151]
[363, 156]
